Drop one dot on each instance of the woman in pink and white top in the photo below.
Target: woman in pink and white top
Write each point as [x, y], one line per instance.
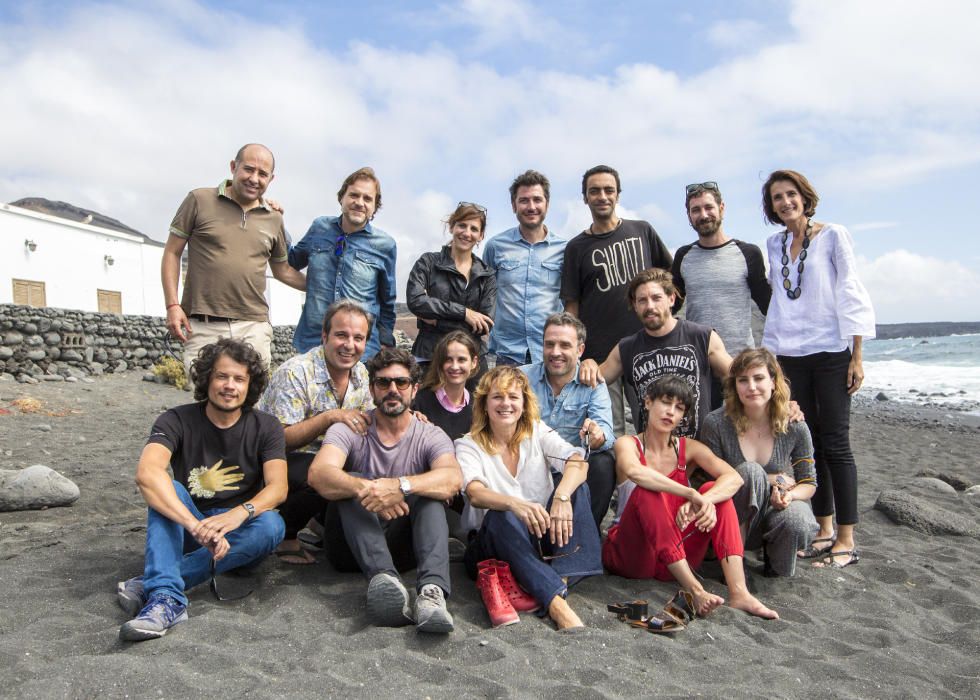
[818, 317]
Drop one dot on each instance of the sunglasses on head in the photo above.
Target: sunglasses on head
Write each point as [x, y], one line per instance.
[385, 382]
[479, 207]
[702, 186]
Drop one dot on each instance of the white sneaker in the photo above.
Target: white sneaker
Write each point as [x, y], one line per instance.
[431, 614]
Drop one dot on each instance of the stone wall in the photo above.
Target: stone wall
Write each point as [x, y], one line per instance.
[63, 344]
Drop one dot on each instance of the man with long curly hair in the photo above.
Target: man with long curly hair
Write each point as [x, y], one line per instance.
[229, 472]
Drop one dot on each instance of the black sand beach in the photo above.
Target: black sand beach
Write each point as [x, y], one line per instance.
[904, 622]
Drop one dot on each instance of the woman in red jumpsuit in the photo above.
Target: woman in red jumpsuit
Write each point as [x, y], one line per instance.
[663, 526]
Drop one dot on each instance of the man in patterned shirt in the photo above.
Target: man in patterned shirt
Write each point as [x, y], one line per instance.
[308, 394]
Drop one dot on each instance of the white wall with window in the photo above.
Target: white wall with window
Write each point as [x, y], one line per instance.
[48, 261]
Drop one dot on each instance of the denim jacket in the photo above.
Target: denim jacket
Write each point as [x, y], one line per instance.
[528, 286]
[364, 272]
[566, 412]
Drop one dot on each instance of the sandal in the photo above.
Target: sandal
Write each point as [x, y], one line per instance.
[630, 611]
[830, 560]
[681, 607]
[812, 552]
[295, 557]
[657, 625]
[634, 613]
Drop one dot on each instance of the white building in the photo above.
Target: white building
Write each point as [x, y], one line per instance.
[49, 261]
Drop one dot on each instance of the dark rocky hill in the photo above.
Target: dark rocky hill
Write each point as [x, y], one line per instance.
[926, 330]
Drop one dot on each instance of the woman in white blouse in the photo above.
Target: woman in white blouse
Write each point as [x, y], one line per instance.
[819, 314]
[527, 502]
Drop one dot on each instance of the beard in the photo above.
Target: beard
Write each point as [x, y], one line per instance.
[226, 409]
[392, 411]
[654, 322]
[708, 227]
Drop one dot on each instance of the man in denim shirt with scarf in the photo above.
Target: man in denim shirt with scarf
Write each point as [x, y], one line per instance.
[348, 259]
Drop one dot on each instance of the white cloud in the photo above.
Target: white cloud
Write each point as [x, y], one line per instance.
[736, 34]
[907, 287]
[123, 110]
[873, 226]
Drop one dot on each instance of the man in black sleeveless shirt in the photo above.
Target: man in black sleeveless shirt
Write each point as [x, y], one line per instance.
[665, 345]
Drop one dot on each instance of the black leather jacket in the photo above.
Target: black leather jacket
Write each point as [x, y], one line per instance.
[437, 290]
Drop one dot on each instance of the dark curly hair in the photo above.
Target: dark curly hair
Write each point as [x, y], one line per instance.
[239, 351]
[387, 357]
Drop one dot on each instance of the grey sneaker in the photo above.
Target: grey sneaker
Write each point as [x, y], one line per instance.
[387, 602]
[160, 613]
[430, 611]
[130, 596]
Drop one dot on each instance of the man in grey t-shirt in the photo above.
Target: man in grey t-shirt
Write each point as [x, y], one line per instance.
[386, 491]
[719, 277]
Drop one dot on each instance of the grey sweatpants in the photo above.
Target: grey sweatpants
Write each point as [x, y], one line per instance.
[781, 532]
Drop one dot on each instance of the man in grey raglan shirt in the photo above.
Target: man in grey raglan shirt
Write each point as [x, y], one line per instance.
[719, 277]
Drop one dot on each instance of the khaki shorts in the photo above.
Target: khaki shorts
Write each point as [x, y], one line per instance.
[258, 333]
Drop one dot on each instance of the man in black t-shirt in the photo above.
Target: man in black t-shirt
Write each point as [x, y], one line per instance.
[598, 266]
[229, 472]
[665, 345]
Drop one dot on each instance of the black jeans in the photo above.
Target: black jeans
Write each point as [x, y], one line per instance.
[302, 502]
[358, 540]
[818, 383]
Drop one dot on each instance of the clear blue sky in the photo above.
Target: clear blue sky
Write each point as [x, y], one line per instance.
[123, 107]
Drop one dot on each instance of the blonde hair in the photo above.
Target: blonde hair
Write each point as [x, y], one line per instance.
[779, 402]
[503, 378]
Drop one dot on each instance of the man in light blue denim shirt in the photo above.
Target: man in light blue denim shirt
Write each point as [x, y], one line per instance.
[576, 411]
[527, 260]
[348, 259]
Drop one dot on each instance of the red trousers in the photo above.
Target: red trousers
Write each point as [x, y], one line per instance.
[646, 540]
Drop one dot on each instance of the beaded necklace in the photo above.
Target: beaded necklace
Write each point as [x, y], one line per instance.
[787, 285]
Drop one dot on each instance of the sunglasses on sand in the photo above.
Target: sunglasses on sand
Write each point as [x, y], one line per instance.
[213, 585]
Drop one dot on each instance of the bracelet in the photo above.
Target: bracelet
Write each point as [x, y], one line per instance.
[169, 305]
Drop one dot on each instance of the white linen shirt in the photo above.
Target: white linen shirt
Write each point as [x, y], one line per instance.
[833, 304]
[539, 454]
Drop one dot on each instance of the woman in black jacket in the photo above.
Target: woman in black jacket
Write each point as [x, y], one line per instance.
[452, 289]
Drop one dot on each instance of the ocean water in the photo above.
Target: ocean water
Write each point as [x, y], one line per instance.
[941, 370]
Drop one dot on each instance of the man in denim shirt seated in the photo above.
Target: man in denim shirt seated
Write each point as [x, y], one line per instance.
[576, 411]
[348, 259]
[527, 260]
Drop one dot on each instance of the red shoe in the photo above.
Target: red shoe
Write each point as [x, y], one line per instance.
[518, 597]
[499, 609]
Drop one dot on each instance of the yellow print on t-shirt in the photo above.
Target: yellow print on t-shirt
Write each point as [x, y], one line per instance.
[204, 482]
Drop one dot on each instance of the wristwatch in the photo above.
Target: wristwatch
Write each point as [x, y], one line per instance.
[562, 497]
[404, 485]
[250, 508]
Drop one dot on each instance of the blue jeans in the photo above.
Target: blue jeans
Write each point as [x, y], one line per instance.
[503, 536]
[175, 562]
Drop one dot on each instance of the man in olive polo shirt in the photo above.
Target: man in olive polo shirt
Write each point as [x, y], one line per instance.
[233, 234]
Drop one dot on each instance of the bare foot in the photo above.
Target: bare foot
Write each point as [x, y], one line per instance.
[752, 605]
[705, 602]
[563, 615]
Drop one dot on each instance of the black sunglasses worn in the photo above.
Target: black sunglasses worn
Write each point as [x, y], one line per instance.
[385, 382]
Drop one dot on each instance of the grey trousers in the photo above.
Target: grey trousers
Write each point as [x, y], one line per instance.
[358, 540]
[781, 532]
[622, 414]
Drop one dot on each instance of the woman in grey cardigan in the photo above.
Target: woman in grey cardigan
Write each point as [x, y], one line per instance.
[773, 456]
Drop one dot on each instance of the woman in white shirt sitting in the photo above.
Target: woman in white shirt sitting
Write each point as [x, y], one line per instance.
[819, 315]
[527, 499]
